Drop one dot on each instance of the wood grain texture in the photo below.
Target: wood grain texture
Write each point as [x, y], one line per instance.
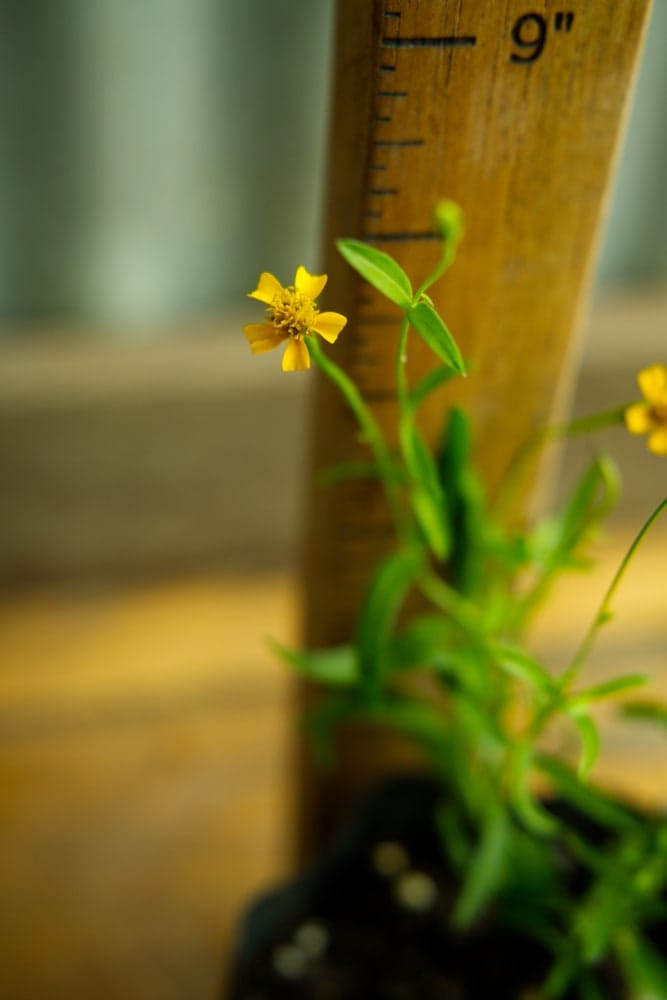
[440, 100]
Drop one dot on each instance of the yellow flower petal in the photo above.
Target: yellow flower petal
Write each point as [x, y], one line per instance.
[329, 325]
[263, 337]
[638, 418]
[296, 357]
[657, 441]
[310, 285]
[268, 287]
[653, 383]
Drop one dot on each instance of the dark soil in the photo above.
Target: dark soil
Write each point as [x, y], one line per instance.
[372, 923]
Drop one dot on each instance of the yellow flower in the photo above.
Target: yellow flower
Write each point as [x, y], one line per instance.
[650, 417]
[291, 314]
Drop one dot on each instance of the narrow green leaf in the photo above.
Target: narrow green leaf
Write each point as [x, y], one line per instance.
[485, 875]
[423, 642]
[426, 496]
[378, 269]
[590, 801]
[644, 967]
[433, 379]
[431, 328]
[418, 459]
[420, 720]
[520, 772]
[456, 450]
[563, 973]
[428, 513]
[649, 711]
[609, 689]
[589, 987]
[349, 470]
[434, 642]
[337, 667]
[470, 525]
[387, 591]
[590, 743]
[479, 720]
[320, 724]
[454, 835]
[594, 496]
[519, 664]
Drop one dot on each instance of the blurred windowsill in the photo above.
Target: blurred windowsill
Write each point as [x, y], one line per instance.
[130, 457]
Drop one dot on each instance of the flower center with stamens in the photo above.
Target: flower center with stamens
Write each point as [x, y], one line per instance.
[292, 313]
[658, 413]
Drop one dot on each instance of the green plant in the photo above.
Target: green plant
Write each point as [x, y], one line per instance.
[477, 581]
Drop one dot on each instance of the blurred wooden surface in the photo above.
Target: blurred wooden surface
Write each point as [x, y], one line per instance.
[145, 735]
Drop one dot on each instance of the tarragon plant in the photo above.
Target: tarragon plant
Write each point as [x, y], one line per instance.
[473, 582]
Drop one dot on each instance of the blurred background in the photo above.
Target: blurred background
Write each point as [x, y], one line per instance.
[156, 156]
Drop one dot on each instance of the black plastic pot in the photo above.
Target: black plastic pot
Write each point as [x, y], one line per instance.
[371, 922]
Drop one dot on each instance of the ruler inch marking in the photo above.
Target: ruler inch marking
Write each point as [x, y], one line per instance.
[402, 237]
[365, 359]
[380, 396]
[422, 42]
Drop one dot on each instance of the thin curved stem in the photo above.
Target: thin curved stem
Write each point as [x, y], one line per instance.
[604, 611]
[369, 427]
[446, 260]
[543, 436]
[401, 360]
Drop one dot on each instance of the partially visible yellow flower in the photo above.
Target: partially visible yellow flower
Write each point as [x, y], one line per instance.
[291, 314]
[650, 417]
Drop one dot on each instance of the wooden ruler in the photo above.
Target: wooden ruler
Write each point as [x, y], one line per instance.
[512, 108]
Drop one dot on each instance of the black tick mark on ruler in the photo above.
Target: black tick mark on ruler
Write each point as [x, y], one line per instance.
[402, 237]
[380, 396]
[442, 42]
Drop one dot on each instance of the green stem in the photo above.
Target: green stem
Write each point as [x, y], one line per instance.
[543, 436]
[369, 426]
[446, 259]
[456, 607]
[604, 610]
[401, 377]
[584, 425]
[405, 411]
